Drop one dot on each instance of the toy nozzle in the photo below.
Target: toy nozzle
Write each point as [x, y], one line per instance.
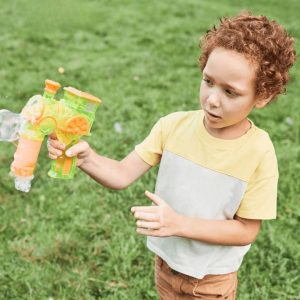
[51, 86]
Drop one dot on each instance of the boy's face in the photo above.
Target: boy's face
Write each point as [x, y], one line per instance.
[227, 93]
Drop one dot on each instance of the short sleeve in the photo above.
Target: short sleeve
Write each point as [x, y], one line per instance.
[150, 150]
[260, 199]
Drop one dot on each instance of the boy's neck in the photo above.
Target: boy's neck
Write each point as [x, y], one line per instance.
[230, 132]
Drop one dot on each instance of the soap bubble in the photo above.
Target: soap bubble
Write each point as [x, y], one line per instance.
[9, 125]
[61, 70]
[118, 127]
[23, 183]
[289, 121]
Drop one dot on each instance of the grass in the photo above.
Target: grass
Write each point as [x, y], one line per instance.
[75, 239]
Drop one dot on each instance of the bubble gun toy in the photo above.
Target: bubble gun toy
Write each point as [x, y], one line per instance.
[70, 118]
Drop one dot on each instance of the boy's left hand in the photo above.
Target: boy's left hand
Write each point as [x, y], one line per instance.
[156, 220]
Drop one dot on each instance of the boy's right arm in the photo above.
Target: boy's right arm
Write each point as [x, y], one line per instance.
[111, 173]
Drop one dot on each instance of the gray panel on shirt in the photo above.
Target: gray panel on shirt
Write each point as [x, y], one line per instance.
[196, 191]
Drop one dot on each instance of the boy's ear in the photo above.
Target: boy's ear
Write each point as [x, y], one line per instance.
[260, 103]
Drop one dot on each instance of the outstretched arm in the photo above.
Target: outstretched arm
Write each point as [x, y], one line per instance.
[111, 173]
[161, 220]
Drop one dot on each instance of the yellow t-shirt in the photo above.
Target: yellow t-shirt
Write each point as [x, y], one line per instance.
[209, 178]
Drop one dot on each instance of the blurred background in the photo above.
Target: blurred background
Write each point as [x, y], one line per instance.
[77, 240]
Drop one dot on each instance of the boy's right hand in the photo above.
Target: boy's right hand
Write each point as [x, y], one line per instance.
[56, 148]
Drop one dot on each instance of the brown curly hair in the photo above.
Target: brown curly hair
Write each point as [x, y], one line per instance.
[262, 41]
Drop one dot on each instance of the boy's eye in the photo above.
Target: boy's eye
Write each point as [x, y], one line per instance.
[230, 93]
[208, 81]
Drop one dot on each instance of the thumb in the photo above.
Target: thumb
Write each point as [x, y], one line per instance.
[154, 198]
[78, 148]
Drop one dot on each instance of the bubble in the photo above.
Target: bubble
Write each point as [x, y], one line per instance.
[61, 70]
[289, 121]
[118, 127]
[23, 183]
[10, 124]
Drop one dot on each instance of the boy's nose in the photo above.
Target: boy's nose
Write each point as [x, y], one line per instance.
[213, 100]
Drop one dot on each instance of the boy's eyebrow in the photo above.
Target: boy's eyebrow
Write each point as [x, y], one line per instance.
[226, 84]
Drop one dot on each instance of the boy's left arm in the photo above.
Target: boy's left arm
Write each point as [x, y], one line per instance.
[162, 221]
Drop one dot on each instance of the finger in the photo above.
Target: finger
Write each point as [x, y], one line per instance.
[148, 232]
[54, 151]
[150, 209]
[154, 198]
[55, 144]
[54, 156]
[146, 216]
[147, 225]
[76, 149]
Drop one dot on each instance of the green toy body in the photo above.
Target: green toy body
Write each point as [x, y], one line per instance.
[70, 118]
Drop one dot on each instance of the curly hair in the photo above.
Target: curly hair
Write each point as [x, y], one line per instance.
[264, 42]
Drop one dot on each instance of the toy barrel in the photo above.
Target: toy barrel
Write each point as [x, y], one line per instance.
[25, 157]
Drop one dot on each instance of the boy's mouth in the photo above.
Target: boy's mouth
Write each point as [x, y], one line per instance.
[212, 115]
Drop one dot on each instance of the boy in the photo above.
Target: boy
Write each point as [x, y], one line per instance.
[218, 171]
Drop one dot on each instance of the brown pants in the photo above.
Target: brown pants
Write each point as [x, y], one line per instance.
[172, 285]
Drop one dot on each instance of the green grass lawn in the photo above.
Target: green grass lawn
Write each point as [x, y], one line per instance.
[76, 239]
